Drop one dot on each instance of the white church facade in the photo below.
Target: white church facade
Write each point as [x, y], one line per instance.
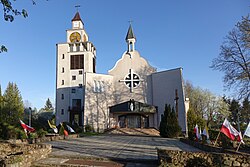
[132, 94]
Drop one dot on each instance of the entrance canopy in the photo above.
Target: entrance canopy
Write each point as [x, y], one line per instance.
[132, 106]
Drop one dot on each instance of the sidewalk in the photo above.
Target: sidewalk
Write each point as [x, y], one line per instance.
[114, 150]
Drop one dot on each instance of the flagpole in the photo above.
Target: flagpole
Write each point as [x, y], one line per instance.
[240, 143]
[238, 147]
[216, 139]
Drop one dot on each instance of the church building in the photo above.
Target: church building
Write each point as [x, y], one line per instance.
[132, 94]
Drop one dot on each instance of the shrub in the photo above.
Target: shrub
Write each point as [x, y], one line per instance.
[193, 119]
[89, 128]
[169, 126]
[213, 134]
[41, 133]
[8, 131]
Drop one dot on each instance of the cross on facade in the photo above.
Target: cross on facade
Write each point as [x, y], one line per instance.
[132, 80]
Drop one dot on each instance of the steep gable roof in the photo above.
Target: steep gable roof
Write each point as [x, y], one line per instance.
[130, 34]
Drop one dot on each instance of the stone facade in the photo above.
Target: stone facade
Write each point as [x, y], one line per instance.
[182, 158]
[22, 155]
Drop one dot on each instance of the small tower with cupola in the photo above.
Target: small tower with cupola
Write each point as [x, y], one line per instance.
[130, 39]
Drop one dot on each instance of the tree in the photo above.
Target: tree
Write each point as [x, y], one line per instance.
[206, 105]
[1, 99]
[245, 112]
[234, 59]
[9, 13]
[48, 106]
[192, 120]
[13, 105]
[169, 126]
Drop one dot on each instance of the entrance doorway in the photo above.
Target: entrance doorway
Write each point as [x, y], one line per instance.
[133, 121]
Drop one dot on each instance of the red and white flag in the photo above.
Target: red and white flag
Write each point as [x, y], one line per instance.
[196, 131]
[229, 130]
[26, 127]
[240, 138]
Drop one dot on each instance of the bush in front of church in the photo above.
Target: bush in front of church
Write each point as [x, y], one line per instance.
[169, 126]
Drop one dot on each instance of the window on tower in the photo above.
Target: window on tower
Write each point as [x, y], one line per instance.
[62, 96]
[71, 47]
[77, 47]
[62, 112]
[62, 82]
[73, 77]
[62, 69]
[94, 65]
[62, 56]
[76, 62]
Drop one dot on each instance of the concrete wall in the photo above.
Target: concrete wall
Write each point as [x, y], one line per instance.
[22, 155]
[98, 98]
[161, 91]
[130, 60]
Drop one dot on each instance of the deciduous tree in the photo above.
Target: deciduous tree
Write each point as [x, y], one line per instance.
[234, 59]
[9, 14]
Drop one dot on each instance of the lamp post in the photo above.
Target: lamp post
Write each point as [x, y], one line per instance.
[30, 116]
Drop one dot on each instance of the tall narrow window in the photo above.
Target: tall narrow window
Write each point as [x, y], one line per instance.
[94, 63]
[62, 96]
[62, 82]
[62, 56]
[77, 47]
[80, 72]
[62, 69]
[76, 62]
[62, 112]
[73, 90]
[71, 47]
[131, 46]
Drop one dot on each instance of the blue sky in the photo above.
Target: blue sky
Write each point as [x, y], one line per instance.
[169, 34]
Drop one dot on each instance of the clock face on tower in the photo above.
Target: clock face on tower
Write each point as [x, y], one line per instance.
[75, 37]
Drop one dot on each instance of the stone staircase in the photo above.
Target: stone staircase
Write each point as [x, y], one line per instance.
[134, 131]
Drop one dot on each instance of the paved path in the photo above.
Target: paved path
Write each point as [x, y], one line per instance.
[114, 147]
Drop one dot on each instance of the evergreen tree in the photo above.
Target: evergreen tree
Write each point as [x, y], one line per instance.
[169, 126]
[48, 105]
[234, 109]
[245, 112]
[1, 99]
[13, 105]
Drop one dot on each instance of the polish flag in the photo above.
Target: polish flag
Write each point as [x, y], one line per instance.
[229, 130]
[196, 131]
[240, 138]
[26, 127]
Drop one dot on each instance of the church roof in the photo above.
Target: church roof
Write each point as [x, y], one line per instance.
[77, 17]
[130, 34]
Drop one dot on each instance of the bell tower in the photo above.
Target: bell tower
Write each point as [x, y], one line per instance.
[75, 58]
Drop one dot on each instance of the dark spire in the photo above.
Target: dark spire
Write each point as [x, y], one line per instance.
[77, 17]
[130, 34]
